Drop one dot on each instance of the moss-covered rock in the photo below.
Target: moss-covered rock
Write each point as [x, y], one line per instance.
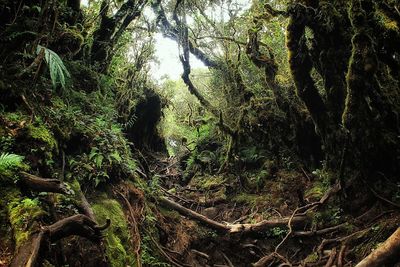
[39, 132]
[6, 239]
[117, 238]
[24, 214]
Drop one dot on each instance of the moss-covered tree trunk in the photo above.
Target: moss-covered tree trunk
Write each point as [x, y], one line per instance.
[357, 101]
[111, 29]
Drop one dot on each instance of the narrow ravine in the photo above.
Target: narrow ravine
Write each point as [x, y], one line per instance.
[138, 133]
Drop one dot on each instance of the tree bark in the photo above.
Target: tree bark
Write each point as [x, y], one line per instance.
[39, 184]
[301, 66]
[110, 31]
[387, 253]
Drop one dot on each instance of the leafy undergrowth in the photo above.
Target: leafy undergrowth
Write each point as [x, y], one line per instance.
[73, 136]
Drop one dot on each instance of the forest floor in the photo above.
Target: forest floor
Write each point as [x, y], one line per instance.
[261, 223]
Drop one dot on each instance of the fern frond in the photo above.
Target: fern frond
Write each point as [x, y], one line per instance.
[58, 72]
[8, 160]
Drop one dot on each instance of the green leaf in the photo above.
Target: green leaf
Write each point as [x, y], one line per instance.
[8, 160]
[58, 71]
[93, 153]
[99, 160]
[115, 155]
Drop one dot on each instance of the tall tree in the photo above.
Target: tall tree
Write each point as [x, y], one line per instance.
[111, 29]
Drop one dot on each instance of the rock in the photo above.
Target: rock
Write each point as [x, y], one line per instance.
[211, 212]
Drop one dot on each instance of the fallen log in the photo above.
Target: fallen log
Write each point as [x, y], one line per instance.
[233, 228]
[387, 253]
[28, 254]
[194, 215]
[39, 184]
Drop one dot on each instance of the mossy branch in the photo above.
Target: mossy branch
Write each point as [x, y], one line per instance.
[39, 184]
[28, 255]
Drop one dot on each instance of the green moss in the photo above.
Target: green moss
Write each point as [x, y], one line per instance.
[320, 186]
[75, 186]
[23, 214]
[174, 215]
[117, 237]
[15, 117]
[208, 182]
[387, 22]
[7, 194]
[251, 199]
[42, 134]
[316, 191]
[313, 257]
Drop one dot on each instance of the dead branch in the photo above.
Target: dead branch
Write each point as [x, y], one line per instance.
[204, 203]
[344, 240]
[382, 198]
[194, 215]
[341, 255]
[333, 190]
[36, 63]
[39, 184]
[320, 232]
[294, 221]
[80, 225]
[233, 228]
[201, 254]
[168, 257]
[228, 261]
[266, 225]
[388, 252]
[332, 257]
[271, 259]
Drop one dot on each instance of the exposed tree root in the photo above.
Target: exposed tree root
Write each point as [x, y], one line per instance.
[172, 260]
[336, 188]
[39, 184]
[206, 203]
[271, 259]
[86, 208]
[135, 213]
[341, 254]
[320, 232]
[233, 228]
[28, 255]
[332, 258]
[384, 254]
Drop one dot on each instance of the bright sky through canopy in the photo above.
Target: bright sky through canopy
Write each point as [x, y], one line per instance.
[167, 52]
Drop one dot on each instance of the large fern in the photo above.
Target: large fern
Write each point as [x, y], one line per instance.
[58, 72]
[8, 160]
